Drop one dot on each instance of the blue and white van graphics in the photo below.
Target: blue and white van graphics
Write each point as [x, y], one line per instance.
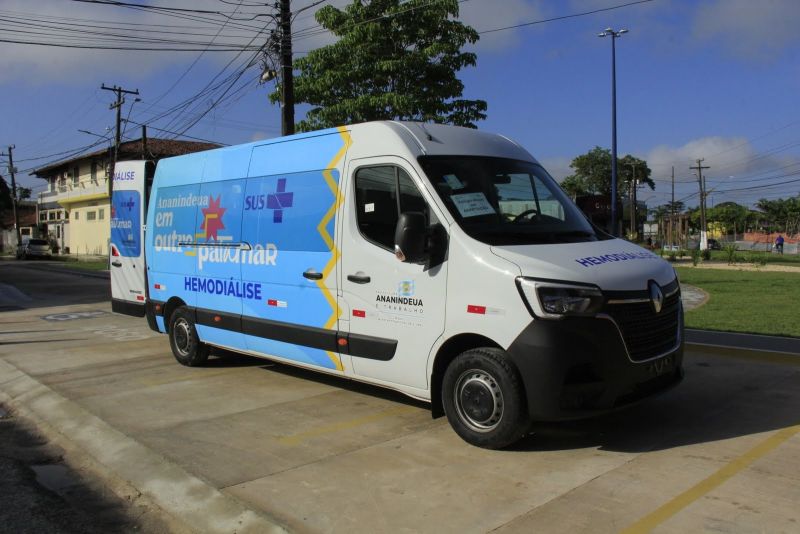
[439, 261]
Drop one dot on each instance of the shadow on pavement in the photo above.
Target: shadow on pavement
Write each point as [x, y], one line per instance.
[720, 398]
[232, 359]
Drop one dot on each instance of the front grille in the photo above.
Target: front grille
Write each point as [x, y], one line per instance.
[645, 332]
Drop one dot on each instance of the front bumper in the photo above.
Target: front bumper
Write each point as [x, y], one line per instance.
[580, 366]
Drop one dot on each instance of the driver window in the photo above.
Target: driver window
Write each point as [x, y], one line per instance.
[523, 193]
[515, 195]
[378, 204]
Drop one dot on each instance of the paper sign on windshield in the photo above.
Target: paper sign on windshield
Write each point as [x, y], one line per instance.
[472, 204]
[453, 181]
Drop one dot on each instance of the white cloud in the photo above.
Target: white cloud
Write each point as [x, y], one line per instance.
[558, 167]
[734, 163]
[733, 155]
[749, 29]
[480, 14]
[485, 15]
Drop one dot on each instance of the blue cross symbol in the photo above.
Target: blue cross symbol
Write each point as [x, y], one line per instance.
[279, 200]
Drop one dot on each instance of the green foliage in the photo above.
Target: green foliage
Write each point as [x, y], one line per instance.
[574, 186]
[672, 257]
[706, 254]
[593, 173]
[393, 60]
[730, 253]
[781, 215]
[730, 215]
[695, 256]
[664, 210]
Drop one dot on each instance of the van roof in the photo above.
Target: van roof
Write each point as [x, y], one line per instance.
[399, 138]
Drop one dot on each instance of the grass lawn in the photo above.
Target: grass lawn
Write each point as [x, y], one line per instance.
[745, 301]
[752, 257]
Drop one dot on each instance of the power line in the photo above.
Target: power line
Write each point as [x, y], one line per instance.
[175, 133]
[563, 17]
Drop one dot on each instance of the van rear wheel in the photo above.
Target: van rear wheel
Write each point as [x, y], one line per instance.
[483, 400]
[184, 341]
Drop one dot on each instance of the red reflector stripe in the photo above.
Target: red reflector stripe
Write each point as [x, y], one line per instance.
[272, 302]
[359, 313]
[476, 309]
[139, 297]
[114, 251]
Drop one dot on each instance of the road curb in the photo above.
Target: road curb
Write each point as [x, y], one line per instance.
[185, 498]
[744, 342]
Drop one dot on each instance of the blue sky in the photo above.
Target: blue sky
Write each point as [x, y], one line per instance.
[715, 79]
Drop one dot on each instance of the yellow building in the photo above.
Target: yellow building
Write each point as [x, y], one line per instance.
[75, 209]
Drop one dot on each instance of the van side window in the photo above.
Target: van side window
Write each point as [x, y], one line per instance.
[378, 204]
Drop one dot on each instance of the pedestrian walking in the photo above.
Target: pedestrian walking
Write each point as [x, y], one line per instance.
[779, 243]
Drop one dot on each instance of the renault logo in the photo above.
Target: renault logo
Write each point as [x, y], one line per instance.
[656, 297]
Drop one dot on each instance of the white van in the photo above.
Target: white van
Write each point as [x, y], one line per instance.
[438, 261]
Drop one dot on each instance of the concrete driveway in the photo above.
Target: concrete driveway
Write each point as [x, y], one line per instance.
[243, 444]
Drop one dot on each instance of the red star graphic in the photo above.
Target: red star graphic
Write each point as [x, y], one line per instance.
[212, 218]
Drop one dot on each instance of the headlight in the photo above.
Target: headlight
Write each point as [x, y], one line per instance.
[552, 300]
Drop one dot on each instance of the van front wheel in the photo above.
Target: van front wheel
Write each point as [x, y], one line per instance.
[483, 400]
[186, 345]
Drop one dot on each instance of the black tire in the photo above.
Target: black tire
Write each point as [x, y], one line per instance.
[183, 340]
[483, 398]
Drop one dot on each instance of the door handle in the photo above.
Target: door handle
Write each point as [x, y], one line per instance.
[311, 274]
[358, 278]
[116, 263]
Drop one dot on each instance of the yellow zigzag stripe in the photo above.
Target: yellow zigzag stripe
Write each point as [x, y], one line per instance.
[321, 228]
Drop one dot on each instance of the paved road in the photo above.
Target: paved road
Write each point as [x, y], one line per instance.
[242, 444]
[39, 492]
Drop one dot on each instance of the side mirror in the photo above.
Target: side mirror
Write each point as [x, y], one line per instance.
[410, 237]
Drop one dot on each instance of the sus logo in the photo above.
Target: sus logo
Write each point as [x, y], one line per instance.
[279, 200]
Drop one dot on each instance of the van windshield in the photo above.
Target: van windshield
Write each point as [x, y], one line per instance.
[507, 202]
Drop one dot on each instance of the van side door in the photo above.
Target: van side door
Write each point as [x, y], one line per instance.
[395, 311]
[218, 280]
[290, 218]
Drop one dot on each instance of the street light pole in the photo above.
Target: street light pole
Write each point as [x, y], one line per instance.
[609, 32]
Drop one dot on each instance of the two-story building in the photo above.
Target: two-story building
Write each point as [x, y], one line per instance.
[75, 208]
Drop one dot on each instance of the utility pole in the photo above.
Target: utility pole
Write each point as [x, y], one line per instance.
[672, 207]
[633, 201]
[118, 135]
[672, 204]
[287, 75]
[144, 141]
[11, 171]
[703, 229]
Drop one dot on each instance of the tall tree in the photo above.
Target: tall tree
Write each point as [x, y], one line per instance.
[393, 60]
[730, 215]
[593, 173]
[574, 186]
